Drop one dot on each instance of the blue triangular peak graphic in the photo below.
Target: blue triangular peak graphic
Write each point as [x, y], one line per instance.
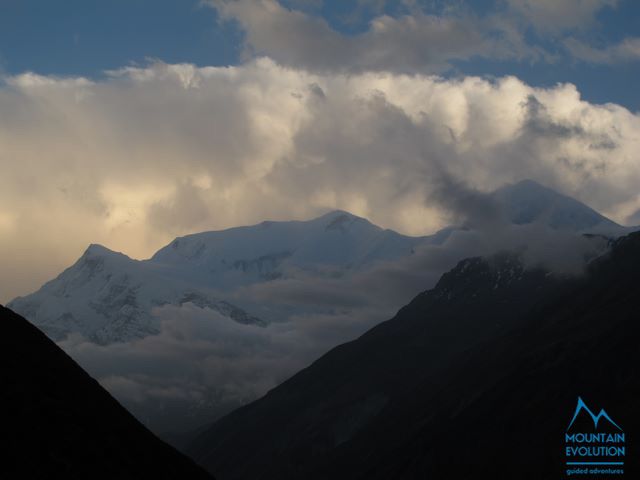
[596, 418]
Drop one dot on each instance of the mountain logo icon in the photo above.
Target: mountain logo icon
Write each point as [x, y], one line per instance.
[596, 418]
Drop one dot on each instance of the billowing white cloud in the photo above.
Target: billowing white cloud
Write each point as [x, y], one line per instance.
[150, 153]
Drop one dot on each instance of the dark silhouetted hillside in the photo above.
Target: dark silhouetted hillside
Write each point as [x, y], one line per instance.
[476, 378]
[58, 422]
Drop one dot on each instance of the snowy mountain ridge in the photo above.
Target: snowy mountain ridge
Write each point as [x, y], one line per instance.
[267, 250]
[109, 297]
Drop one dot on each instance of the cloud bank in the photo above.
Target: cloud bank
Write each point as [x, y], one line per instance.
[202, 364]
[158, 151]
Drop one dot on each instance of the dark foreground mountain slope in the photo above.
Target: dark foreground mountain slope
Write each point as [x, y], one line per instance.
[57, 422]
[477, 378]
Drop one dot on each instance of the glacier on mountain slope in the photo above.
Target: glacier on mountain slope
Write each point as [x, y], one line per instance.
[108, 297]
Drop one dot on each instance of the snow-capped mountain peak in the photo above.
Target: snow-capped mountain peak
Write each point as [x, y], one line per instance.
[527, 201]
[109, 297]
